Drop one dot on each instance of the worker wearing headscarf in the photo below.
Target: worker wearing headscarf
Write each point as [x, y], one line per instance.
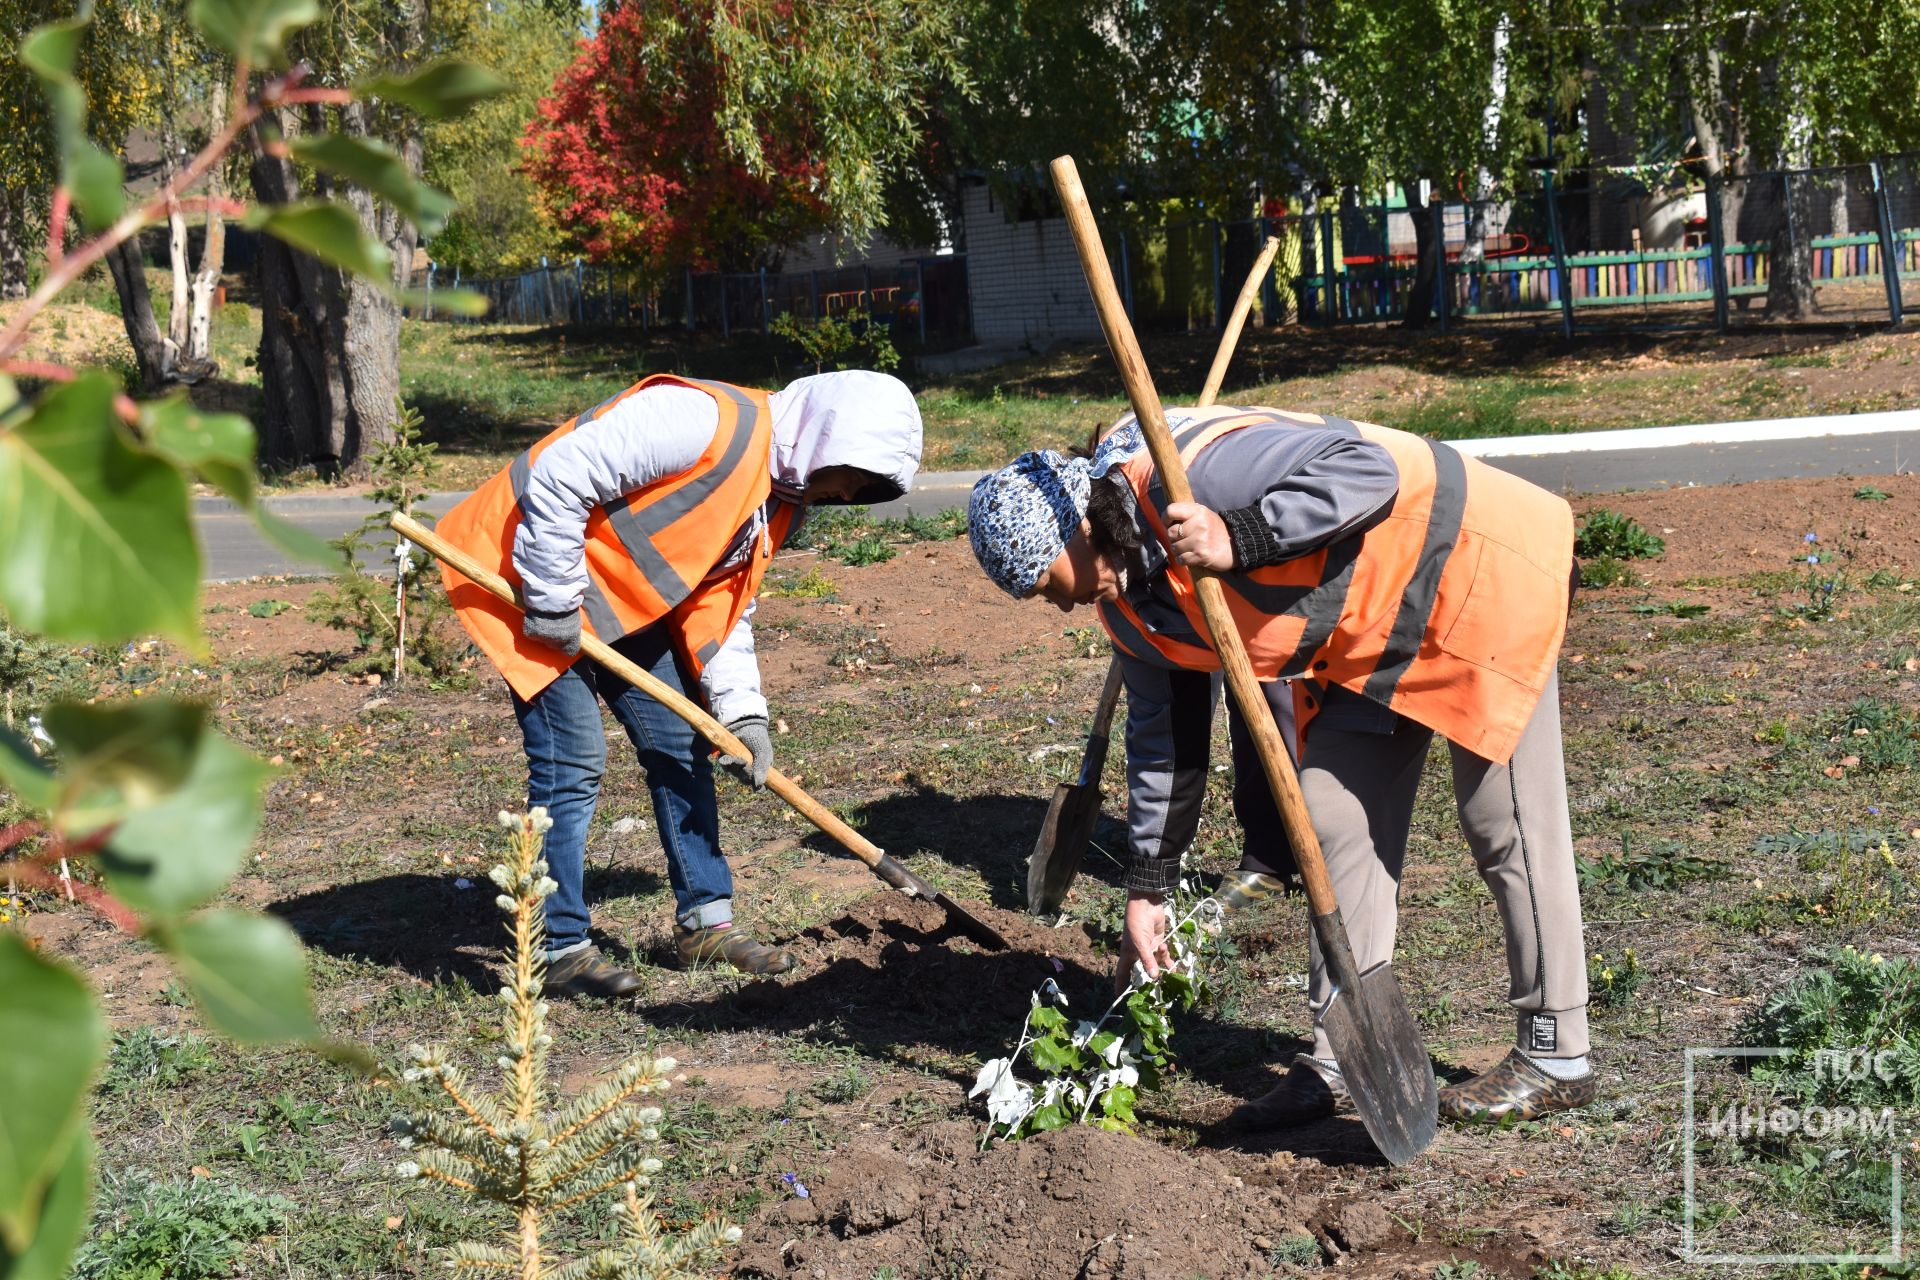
[650, 521]
[1386, 589]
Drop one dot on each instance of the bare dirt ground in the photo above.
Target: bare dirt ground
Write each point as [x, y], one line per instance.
[938, 715]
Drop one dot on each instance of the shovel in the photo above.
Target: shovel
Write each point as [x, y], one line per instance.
[1056, 855]
[1374, 1036]
[714, 732]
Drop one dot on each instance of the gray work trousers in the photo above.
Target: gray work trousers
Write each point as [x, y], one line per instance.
[1359, 789]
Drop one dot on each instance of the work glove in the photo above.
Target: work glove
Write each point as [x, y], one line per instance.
[752, 732]
[555, 630]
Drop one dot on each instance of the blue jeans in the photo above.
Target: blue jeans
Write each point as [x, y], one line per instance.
[566, 746]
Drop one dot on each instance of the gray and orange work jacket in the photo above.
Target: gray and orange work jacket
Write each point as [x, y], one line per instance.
[1389, 575]
[648, 553]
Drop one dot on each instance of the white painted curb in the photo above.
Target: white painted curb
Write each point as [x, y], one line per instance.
[1636, 438]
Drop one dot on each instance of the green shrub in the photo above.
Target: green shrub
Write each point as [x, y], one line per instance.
[1605, 534]
[148, 1230]
[837, 342]
[1855, 1001]
[367, 605]
[142, 1058]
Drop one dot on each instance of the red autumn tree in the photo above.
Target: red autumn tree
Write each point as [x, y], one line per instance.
[627, 155]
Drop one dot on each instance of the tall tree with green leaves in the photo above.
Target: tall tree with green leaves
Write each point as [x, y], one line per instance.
[1760, 88]
[475, 158]
[718, 131]
[330, 331]
[109, 67]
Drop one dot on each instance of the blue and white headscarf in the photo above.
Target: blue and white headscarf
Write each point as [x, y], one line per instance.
[1021, 516]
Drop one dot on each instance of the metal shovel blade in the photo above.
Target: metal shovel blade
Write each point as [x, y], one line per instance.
[1065, 834]
[1381, 1054]
[895, 873]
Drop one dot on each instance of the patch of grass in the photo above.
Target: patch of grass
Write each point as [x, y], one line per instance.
[811, 585]
[853, 536]
[1608, 534]
[149, 1230]
[1612, 982]
[1496, 406]
[1854, 1001]
[845, 1085]
[143, 1058]
[1296, 1249]
[1607, 572]
[1664, 864]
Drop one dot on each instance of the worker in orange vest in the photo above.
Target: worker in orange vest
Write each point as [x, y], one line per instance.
[1387, 589]
[650, 521]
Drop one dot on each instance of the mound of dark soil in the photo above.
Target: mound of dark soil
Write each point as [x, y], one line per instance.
[1076, 1202]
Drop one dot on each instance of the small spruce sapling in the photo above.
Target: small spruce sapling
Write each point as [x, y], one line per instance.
[536, 1155]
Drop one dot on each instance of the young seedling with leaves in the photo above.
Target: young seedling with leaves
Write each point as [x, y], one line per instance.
[381, 618]
[1093, 1072]
[513, 1148]
[97, 547]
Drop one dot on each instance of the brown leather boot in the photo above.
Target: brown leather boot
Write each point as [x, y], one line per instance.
[701, 948]
[586, 973]
[1305, 1094]
[1514, 1090]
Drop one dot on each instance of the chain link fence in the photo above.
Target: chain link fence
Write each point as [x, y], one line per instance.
[924, 303]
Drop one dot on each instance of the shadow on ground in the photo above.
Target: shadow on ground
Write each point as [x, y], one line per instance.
[424, 925]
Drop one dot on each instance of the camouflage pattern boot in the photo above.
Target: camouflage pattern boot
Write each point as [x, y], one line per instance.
[725, 944]
[1243, 889]
[1514, 1090]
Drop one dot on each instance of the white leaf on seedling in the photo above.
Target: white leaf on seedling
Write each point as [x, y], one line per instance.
[1083, 1033]
[990, 1074]
[1128, 1076]
[1052, 991]
[1112, 1053]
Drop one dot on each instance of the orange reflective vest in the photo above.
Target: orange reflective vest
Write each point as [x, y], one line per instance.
[648, 554]
[1450, 610]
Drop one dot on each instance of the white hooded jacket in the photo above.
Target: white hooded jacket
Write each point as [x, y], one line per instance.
[854, 418]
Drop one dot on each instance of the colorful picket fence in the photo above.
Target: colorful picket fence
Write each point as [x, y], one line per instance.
[1373, 290]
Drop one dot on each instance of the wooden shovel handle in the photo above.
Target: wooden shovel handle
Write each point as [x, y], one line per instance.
[1244, 685]
[1230, 336]
[681, 705]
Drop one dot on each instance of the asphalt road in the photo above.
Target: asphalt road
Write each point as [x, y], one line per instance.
[233, 550]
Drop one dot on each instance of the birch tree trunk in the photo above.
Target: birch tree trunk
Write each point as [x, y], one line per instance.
[13, 248]
[213, 254]
[178, 312]
[1475, 249]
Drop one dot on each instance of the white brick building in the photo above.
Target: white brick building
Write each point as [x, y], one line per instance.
[1023, 275]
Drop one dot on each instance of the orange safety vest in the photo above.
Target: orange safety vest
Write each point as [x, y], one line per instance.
[1450, 610]
[648, 554]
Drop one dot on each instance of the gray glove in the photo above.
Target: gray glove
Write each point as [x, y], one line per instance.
[555, 630]
[752, 732]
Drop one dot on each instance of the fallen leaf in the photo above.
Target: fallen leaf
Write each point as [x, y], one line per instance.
[201, 1171]
[1834, 771]
[393, 1222]
[1849, 762]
